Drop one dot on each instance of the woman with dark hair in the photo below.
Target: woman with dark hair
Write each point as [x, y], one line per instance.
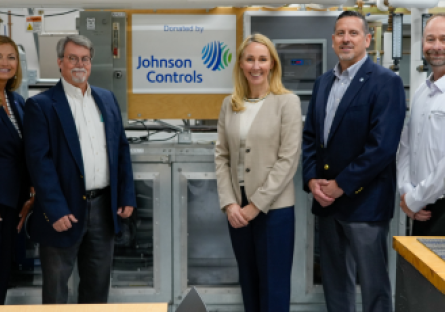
[14, 181]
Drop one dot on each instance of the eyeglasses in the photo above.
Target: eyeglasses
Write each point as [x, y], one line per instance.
[74, 60]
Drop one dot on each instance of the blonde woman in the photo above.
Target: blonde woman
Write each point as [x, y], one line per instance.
[256, 156]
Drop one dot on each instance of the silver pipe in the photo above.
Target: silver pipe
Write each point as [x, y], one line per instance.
[166, 124]
[36, 37]
[47, 81]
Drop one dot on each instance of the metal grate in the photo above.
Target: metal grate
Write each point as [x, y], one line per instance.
[436, 245]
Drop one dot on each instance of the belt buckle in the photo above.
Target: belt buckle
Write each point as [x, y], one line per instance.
[91, 194]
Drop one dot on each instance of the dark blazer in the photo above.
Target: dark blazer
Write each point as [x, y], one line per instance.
[361, 150]
[14, 184]
[54, 158]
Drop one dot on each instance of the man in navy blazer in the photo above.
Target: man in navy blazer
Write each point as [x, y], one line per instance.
[80, 163]
[350, 139]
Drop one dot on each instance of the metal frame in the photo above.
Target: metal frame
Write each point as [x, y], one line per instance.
[27, 295]
[247, 30]
[220, 298]
[162, 273]
[109, 71]
[170, 236]
[324, 44]
[303, 291]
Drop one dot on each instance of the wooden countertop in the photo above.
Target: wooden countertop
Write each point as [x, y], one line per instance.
[430, 265]
[133, 307]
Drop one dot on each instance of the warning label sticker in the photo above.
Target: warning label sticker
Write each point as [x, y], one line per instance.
[91, 23]
[34, 23]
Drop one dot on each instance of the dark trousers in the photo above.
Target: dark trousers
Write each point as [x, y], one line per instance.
[94, 252]
[264, 252]
[7, 239]
[348, 248]
[435, 226]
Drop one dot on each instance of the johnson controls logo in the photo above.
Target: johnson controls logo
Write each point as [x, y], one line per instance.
[216, 55]
[161, 69]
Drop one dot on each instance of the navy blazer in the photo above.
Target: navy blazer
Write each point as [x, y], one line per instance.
[55, 163]
[362, 145]
[14, 184]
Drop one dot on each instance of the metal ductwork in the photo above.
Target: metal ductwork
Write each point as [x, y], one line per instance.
[157, 4]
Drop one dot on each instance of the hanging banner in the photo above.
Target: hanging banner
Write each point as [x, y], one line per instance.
[34, 23]
[183, 53]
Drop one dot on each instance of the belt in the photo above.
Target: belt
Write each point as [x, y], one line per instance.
[439, 202]
[96, 193]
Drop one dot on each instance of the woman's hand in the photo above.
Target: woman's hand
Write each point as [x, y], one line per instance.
[235, 216]
[250, 212]
[25, 210]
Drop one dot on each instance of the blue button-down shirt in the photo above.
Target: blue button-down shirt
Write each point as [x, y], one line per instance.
[342, 81]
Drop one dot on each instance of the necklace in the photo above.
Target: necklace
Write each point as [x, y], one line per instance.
[257, 100]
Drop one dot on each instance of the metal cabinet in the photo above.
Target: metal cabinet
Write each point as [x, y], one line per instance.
[142, 262]
[141, 270]
[26, 275]
[178, 238]
[202, 251]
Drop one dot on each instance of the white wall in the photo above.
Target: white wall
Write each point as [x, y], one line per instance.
[54, 24]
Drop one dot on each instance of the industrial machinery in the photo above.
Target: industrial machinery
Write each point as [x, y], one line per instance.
[107, 32]
[397, 37]
[178, 237]
[302, 61]
[23, 89]
[303, 50]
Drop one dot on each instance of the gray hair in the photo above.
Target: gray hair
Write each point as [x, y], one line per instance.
[76, 39]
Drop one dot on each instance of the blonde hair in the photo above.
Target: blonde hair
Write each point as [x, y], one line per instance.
[14, 82]
[241, 88]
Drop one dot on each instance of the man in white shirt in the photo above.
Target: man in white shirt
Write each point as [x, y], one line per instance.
[421, 159]
[80, 164]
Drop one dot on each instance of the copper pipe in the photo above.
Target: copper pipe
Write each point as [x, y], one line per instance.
[9, 24]
[390, 21]
[360, 7]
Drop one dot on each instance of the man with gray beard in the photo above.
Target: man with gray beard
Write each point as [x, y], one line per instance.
[80, 165]
[421, 159]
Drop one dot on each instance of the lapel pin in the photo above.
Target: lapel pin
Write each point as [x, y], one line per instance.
[361, 79]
